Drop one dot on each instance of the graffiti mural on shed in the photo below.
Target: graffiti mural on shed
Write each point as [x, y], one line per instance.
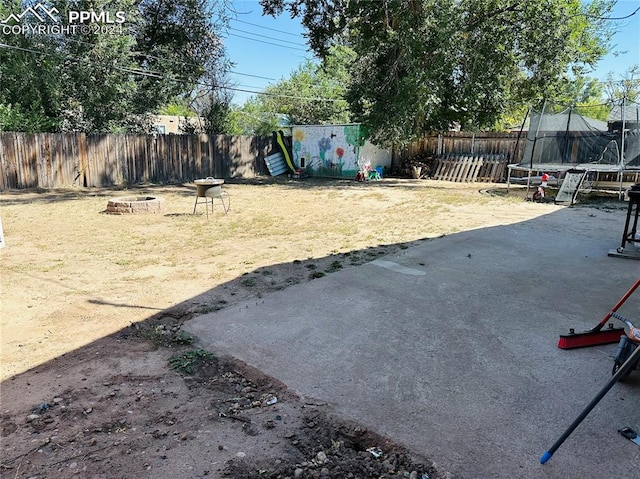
[334, 150]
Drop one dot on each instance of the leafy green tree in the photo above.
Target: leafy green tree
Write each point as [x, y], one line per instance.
[431, 64]
[582, 92]
[30, 121]
[30, 90]
[252, 118]
[99, 86]
[628, 86]
[215, 112]
[587, 95]
[314, 93]
[176, 38]
[110, 81]
[211, 103]
[177, 107]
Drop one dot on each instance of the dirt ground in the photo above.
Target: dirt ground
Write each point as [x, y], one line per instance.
[99, 381]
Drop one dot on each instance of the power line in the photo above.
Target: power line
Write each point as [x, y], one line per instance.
[262, 36]
[253, 76]
[164, 77]
[159, 75]
[269, 43]
[13, 47]
[598, 17]
[618, 82]
[267, 28]
[146, 55]
[618, 18]
[247, 86]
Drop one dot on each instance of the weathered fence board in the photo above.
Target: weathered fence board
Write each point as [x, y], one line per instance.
[64, 159]
[509, 145]
[53, 160]
[468, 168]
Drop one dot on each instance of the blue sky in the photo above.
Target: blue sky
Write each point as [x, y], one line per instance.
[263, 46]
[272, 48]
[626, 42]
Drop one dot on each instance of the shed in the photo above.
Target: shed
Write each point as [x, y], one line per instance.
[631, 117]
[337, 151]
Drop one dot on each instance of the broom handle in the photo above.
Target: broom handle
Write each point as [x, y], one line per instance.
[615, 308]
[623, 370]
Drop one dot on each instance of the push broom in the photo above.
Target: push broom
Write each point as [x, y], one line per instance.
[634, 333]
[597, 335]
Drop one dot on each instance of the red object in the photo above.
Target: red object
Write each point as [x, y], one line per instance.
[590, 338]
[545, 177]
[597, 336]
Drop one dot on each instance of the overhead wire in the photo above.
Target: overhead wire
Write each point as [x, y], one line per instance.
[290, 47]
[268, 43]
[159, 75]
[596, 17]
[191, 64]
[266, 28]
[261, 36]
[181, 62]
[146, 55]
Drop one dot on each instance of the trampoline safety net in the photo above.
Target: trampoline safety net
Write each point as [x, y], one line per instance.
[569, 140]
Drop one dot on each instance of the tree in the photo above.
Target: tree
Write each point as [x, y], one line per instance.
[628, 86]
[99, 86]
[583, 93]
[253, 118]
[587, 95]
[30, 90]
[177, 107]
[178, 39]
[431, 64]
[110, 79]
[313, 94]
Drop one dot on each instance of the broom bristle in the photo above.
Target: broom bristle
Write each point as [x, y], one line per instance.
[590, 338]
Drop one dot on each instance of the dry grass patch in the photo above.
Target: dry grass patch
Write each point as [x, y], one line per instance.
[67, 261]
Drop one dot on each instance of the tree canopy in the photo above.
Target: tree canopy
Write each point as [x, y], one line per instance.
[424, 65]
[628, 86]
[313, 94]
[109, 76]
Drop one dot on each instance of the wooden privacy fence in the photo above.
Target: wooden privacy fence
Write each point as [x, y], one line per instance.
[53, 160]
[465, 143]
[463, 168]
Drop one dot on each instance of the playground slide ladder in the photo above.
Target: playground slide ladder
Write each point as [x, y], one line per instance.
[571, 186]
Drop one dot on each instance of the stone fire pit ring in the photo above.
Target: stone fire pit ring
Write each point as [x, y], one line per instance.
[135, 205]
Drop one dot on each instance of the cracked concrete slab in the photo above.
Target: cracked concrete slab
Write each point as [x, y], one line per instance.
[451, 346]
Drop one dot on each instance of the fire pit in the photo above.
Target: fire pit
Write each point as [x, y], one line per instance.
[135, 205]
